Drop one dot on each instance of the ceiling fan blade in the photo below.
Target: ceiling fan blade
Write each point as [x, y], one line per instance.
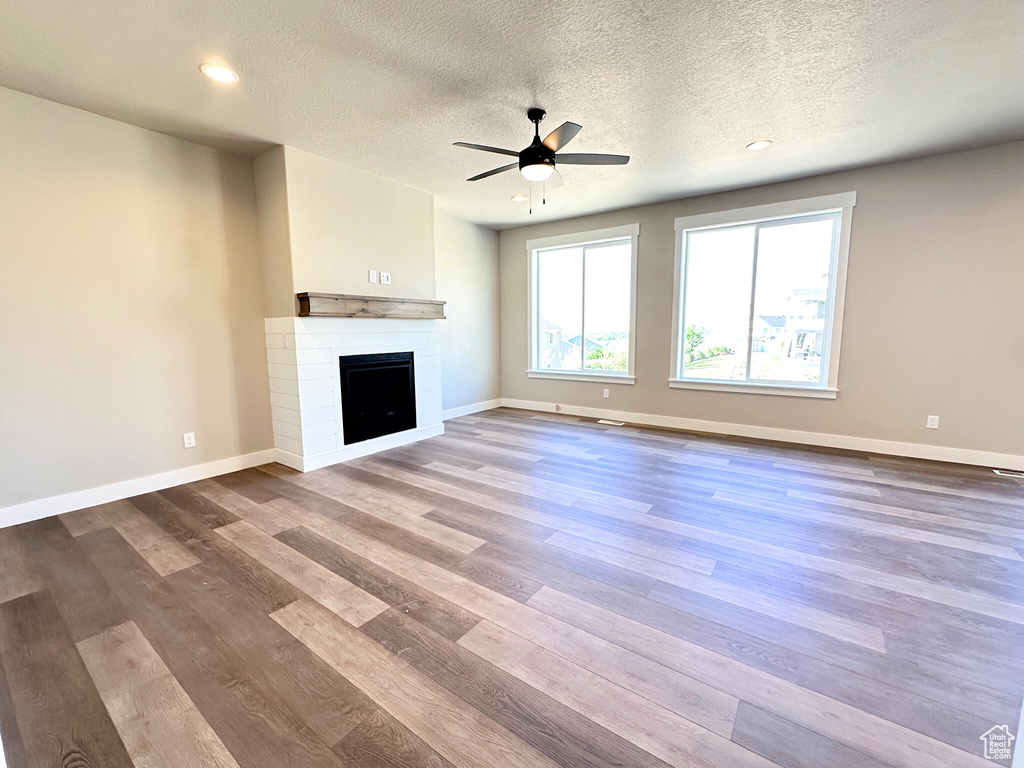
[556, 180]
[503, 168]
[586, 158]
[561, 136]
[484, 148]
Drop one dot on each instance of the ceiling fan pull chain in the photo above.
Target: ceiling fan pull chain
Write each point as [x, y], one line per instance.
[544, 193]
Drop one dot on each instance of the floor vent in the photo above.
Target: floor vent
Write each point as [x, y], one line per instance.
[1008, 472]
[622, 424]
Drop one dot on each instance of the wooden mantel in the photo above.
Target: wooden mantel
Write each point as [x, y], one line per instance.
[348, 305]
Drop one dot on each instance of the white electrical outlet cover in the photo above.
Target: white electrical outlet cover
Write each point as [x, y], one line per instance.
[373, 275]
[190, 439]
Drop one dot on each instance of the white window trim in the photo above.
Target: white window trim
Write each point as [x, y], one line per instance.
[789, 390]
[606, 378]
[592, 237]
[844, 202]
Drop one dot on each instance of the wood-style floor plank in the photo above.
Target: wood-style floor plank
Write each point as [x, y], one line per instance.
[447, 486]
[84, 521]
[484, 448]
[927, 699]
[16, 575]
[791, 745]
[953, 521]
[559, 732]
[872, 735]
[811, 618]
[981, 603]
[894, 612]
[558, 493]
[451, 727]
[160, 550]
[562, 569]
[382, 742]
[409, 517]
[329, 705]
[61, 718]
[158, 723]
[497, 578]
[873, 526]
[11, 745]
[661, 732]
[192, 520]
[241, 705]
[342, 597]
[85, 601]
[267, 520]
[444, 617]
[704, 704]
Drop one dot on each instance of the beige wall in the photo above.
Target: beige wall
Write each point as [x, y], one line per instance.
[274, 230]
[129, 302]
[343, 222]
[934, 319]
[467, 279]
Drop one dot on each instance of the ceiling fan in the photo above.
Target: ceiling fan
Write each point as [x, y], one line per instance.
[537, 161]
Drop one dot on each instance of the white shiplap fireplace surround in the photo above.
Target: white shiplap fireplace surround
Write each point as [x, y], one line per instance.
[305, 383]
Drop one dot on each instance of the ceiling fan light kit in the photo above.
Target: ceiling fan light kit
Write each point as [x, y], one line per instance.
[537, 162]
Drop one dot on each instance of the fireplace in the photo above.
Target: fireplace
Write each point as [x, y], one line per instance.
[378, 395]
[315, 424]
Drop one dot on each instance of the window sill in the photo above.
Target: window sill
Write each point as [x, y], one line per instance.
[606, 378]
[786, 390]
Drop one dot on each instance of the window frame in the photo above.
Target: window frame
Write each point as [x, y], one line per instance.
[843, 204]
[580, 239]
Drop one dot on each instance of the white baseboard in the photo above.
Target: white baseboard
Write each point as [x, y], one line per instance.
[68, 502]
[867, 444]
[466, 410]
[356, 450]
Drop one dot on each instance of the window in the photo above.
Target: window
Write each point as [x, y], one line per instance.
[582, 312]
[759, 297]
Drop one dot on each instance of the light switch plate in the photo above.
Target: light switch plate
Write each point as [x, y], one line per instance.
[373, 275]
[385, 278]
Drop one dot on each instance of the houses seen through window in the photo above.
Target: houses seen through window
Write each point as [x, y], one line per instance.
[756, 306]
[583, 307]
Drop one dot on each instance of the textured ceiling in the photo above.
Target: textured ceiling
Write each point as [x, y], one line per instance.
[681, 85]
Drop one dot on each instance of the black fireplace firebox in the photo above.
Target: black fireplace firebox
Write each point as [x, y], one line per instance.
[378, 395]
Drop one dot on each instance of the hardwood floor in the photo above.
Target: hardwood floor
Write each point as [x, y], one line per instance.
[526, 590]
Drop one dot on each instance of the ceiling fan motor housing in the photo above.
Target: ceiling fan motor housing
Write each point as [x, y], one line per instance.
[536, 154]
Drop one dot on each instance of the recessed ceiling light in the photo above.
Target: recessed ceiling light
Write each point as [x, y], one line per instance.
[518, 198]
[219, 72]
[760, 144]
